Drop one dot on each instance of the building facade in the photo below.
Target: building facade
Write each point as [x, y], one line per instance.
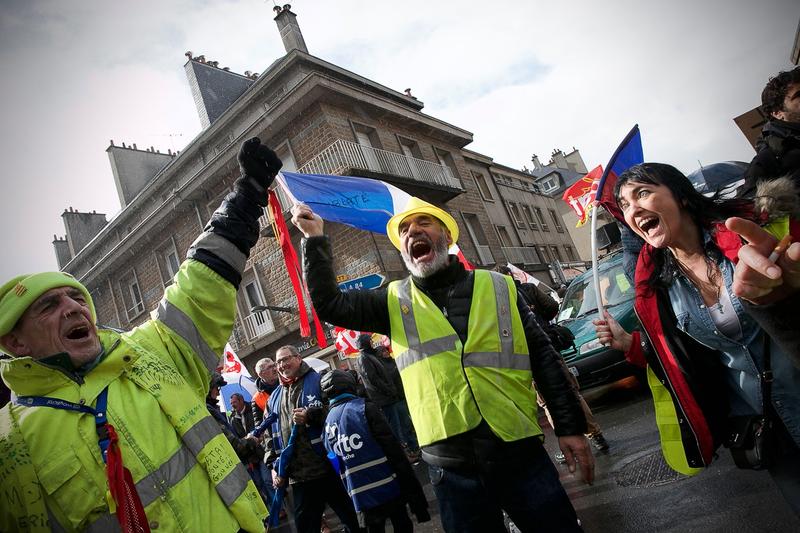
[320, 119]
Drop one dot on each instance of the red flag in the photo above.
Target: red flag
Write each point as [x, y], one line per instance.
[295, 273]
[346, 340]
[580, 194]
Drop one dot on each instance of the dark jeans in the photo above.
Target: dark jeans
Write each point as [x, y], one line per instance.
[262, 477]
[400, 421]
[310, 498]
[527, 489]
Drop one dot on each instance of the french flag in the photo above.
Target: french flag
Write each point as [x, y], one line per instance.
[628, 154]
[362, 203]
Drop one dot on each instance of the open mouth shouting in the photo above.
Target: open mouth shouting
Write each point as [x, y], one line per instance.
[649, 225]
[421, 250]
[77, 333]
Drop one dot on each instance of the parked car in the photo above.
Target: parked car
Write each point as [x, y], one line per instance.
[592, 363]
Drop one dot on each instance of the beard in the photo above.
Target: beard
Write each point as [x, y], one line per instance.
[439, 261]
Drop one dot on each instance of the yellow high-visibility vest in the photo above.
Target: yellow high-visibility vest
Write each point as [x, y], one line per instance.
[450, 387]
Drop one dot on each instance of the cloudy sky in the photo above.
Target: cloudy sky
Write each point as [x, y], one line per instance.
[524, 76]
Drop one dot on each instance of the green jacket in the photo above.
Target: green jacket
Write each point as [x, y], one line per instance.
[186, 473]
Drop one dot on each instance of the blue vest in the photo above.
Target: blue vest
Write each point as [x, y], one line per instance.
[311, 397]
[365, 470]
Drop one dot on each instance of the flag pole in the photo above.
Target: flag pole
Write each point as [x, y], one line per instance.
[595, 270]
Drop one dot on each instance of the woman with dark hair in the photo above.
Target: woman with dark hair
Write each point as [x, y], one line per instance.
[704, 354]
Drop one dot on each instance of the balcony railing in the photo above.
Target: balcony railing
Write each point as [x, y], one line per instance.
[257, 325]
[521, 254]
[343, 155]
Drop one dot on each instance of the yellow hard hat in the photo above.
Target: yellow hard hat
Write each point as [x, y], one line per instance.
[417, 206]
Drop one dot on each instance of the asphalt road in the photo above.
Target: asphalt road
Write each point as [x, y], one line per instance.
[635, 491]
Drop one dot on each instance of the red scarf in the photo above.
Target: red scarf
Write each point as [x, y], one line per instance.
[293, 267]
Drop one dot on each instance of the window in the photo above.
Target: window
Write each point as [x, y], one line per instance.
[549, 184]
[259, 322]
[570, 253]
[540, 217]
[505, 238]
[514, 208]
[410, 165]
[483, 187]
[444, 158]
[475, 230]
[556, 221]
[543, 253]
[529, 216]
[556, 253]
[131, 295]
[168, 261]
[367, 137]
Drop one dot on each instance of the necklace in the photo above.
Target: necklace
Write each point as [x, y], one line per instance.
[704, 286]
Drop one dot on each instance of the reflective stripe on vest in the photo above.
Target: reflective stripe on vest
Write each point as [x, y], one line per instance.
[367, 474]
[222, 248]
[181, 324]
[202, 438]
[158, 482]
[450, 387]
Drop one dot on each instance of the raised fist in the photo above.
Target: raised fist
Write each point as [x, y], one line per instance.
[259, 162]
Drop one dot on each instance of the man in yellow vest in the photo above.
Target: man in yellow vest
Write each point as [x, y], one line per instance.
[109, 430]
[467, 348]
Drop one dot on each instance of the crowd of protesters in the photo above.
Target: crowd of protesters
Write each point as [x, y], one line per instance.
[142, 444]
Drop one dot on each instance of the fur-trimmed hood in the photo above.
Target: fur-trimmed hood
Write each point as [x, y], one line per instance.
[778, 197]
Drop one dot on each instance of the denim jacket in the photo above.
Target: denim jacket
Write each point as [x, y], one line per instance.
[744, 357]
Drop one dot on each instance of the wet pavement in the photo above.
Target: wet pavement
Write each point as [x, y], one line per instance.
[635, 491]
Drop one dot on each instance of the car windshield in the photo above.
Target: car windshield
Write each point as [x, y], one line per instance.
[580, 300]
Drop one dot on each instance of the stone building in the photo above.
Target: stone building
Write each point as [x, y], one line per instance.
[320, 118]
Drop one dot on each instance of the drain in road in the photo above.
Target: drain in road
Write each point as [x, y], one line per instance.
[648, 471]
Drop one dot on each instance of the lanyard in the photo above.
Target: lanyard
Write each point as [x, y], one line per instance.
[99, 413]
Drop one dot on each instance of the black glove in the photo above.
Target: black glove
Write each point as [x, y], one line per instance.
[259, 162]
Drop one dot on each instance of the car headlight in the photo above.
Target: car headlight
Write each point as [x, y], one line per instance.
[590, 346]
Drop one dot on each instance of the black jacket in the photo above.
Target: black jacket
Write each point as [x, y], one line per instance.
[242, 429]
[539, 301]
[379, 385]
[249, 451]
[778, 154]
[392, 371]
[451, 290]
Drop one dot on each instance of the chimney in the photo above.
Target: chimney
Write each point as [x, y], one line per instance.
[575, 161]
[536, 163]
[558, 159]
[289, 29]
[133, 169]
[63, 255]
[214, 89]
[81, 228]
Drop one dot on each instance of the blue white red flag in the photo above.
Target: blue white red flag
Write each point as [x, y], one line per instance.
[628, 154]
[362, 203]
